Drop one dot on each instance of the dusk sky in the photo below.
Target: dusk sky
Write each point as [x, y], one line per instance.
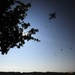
[56, 51]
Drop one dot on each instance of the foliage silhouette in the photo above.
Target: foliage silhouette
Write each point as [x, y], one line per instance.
[12, 25]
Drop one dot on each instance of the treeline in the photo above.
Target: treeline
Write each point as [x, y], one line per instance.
[37, 73]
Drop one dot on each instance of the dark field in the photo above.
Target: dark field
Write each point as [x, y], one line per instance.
[35, 73]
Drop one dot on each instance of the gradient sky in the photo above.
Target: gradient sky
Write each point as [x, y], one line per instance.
[55, 35]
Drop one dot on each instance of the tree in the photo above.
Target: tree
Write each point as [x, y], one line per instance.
[12, 25]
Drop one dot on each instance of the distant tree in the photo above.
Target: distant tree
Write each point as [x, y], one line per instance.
[12, 25]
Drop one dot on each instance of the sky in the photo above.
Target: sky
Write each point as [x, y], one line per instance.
[56, 51]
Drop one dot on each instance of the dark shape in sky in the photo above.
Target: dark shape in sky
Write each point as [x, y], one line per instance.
[61, 49]
[45, 57]
[55, 54]
[71, 48]
[52, 15]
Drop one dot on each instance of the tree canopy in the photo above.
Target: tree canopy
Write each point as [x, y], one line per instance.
[12, 25]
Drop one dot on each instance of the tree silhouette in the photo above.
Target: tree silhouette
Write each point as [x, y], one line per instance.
[12, 25]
